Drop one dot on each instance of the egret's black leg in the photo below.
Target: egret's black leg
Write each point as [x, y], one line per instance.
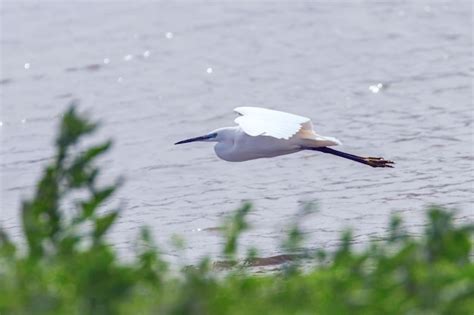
[371, 161]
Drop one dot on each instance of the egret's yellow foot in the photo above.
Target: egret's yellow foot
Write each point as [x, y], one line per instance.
[378, 162]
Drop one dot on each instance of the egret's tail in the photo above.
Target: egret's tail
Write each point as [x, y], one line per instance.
[371, 161]
[312, 139]
[324, 141]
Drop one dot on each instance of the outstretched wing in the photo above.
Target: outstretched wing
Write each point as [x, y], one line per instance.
[256, 121]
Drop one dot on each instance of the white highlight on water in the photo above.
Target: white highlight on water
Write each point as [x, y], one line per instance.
[376, 88]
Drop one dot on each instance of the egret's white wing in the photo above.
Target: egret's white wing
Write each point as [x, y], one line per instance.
[256, 121]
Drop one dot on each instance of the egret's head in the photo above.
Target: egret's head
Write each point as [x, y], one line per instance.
[210, 137]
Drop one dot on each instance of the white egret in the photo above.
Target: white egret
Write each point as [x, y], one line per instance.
[264, 133]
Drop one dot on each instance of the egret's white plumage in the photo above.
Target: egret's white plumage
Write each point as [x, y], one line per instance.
[257, 121]
[263, 133]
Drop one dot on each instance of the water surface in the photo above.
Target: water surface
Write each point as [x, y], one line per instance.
[387, 80]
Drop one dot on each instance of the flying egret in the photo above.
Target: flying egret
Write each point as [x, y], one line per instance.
[264, 133]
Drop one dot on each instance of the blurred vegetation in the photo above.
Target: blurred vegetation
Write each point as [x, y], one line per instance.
[66, 266]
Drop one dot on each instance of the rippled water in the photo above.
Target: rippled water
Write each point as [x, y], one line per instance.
[388, 80]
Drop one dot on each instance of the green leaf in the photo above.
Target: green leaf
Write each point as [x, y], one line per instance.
[7, 247]
[72, 128]
[103, 224]
[233, 227]
[90, 206]
[81, 173]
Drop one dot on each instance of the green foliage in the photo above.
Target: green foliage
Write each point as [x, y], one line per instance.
[66, 265]
[233, 227]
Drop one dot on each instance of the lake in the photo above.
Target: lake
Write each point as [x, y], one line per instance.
[387, 80]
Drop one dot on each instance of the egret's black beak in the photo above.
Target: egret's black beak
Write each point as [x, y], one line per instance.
[201, 138]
